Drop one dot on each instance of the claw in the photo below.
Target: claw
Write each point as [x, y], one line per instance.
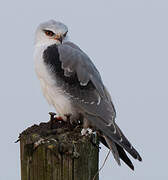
[52, 114]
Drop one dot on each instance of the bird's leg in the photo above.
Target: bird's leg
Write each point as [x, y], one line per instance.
[68, 118]
[54, 116]
[74, 119]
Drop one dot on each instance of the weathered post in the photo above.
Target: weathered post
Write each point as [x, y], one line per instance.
[57, 153]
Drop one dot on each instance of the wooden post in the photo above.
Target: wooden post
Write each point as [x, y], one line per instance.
[60, 153]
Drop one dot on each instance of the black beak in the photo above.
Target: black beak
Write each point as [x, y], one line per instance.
[59, 38]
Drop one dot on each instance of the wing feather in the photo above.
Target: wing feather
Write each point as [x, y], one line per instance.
[75, 60]
[96, 102]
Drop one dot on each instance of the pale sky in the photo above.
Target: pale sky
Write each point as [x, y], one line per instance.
[127, 41]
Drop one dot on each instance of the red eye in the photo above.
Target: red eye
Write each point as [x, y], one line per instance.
[49, 33]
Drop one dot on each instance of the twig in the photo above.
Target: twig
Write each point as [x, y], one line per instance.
[102, 165]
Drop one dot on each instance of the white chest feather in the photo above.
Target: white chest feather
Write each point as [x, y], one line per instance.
[54, 95]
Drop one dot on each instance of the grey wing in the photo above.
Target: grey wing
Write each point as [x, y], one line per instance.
[74, 60]
[95, 103]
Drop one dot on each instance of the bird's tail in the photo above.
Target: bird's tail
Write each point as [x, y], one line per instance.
[115, 140]
[118, 151]
[123, 142]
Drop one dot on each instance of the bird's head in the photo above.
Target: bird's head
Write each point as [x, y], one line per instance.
[51, 32]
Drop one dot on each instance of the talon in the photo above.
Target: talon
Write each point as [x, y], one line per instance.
[52, 114]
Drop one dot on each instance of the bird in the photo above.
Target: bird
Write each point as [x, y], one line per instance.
[72, 84]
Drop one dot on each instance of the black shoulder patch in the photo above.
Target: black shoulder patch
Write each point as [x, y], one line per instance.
[51, 59]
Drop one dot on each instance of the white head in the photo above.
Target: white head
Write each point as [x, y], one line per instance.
[51, 32]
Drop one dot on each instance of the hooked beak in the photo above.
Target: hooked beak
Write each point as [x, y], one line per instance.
[58, 37]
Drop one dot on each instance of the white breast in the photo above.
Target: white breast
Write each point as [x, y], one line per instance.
[54, 95]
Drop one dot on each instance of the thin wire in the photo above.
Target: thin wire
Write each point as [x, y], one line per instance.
[102, 165]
